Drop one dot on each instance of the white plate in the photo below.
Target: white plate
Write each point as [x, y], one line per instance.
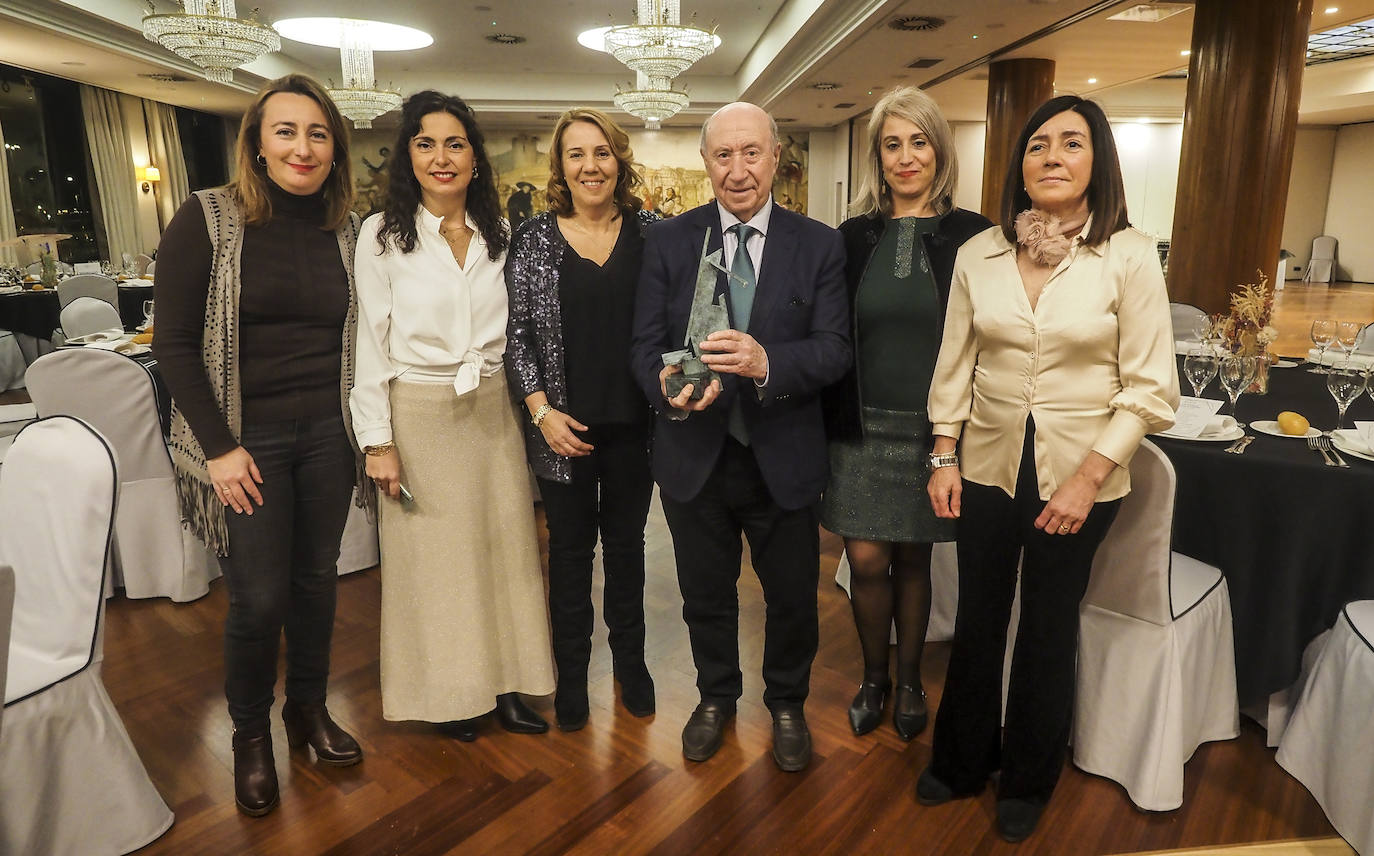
[1349, 442]
[1285, 364]
[1235, 433]
[1269, 426]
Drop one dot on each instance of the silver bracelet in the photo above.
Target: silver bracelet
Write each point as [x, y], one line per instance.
[944, 459]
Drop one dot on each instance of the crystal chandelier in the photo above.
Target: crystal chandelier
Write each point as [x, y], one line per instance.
[208, 33]
[359, 99]
[659, 45]
[653, 99]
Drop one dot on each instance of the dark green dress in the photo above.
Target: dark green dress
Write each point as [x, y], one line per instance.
[877, 487]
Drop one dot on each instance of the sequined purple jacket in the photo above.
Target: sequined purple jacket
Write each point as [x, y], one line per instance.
[534, 335]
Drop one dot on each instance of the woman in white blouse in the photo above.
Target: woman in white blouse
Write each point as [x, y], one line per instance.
[464, 627]
[1057, 360]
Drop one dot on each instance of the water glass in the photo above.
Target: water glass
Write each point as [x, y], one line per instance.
[1348, 336]
[1323, 334]
[1345, 383]
[1200, 366]
[1237, 372]
[148, 312]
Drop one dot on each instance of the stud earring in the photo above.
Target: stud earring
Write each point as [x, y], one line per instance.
[474, 172]
[262, 161]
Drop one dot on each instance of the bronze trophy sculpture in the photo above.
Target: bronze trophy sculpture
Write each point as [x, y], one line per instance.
[708, 316]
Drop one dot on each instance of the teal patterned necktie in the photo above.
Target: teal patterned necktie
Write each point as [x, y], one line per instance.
[742, 288]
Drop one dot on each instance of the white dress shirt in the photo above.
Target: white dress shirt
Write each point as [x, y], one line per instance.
[1093, 362]
[759, 223]
[423, 319]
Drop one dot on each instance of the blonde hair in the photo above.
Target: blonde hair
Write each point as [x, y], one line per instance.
[913, 105]
[250, 187]
[627, 179]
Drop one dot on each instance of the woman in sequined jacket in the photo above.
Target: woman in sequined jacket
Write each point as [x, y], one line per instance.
[900, 258]
[571, 275]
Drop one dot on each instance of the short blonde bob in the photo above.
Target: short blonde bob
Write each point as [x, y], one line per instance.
[910, 103]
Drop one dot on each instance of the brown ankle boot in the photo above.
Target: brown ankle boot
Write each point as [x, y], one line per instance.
[310, 723]
[255, 775]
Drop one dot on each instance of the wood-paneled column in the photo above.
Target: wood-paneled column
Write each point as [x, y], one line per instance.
[1240, 120]
[1015, 88]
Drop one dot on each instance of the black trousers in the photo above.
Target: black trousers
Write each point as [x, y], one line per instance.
[785, 549]
[994, 531]
[282, 564]
[609, 495]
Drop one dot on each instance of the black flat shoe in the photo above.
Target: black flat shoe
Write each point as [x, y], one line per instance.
[310, 724]
[866, 710]
[932, 791]
[464, 730]
[704, 732]
[1017, 818]
[791, 740]
[636, 689]
[516, 717]
[909, 712]
[255, 774]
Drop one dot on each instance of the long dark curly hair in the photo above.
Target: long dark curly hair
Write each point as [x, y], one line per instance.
[403, 189]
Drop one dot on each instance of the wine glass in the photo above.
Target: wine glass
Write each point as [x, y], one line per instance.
[1200, 366]
[1345, 383]
[147, 313]
[1348, 336]
[1323, 334]
[1237, 372]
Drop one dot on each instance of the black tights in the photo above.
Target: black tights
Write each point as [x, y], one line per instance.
[890, 581]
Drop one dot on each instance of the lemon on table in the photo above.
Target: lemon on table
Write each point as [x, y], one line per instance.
[1292, 423]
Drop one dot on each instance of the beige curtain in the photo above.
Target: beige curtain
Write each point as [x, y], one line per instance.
[8, 255]
[115, 179]
[164, 149]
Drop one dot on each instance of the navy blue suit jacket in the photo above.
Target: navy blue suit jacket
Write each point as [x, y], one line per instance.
[801, 318]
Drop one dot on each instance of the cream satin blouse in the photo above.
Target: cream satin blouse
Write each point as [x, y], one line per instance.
[1093, 363]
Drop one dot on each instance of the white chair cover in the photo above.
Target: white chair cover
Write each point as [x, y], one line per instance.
[86, 315]
[6, 614]
[1322, 264]
[88, 285]
[1185, 318]
[153, 555]
[359, 549]
[15, 416]
[944, 590]
[36, 268]
[12, 362]
[1156, 662]
[71, 781]
[140, 264]
[1327, 744]
[152, 266]
[1274, 712]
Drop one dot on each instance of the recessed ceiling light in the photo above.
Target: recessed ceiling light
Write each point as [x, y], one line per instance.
[1331, 10]
[595, 38]
[328, 33]
[1185, 53]
[975, 35]
[1092, 80]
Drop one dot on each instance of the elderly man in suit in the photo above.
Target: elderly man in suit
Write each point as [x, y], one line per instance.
[748, 455]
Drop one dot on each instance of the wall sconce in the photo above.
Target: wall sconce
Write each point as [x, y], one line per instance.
[148, 175]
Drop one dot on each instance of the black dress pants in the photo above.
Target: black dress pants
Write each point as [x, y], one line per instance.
[609, 494]
[994, 531]
[282, 567]
[784, 545]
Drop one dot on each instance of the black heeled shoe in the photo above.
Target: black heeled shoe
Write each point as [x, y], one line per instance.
[463, 730]
[516, 717]
[311, 724]
[909, 712]
[866, 710]
[636, 689]
[255, 774]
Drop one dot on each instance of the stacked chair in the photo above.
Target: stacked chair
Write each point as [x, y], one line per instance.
[71, 781]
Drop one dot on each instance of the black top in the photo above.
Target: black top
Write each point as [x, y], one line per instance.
[293, 303]
[897, 320]
[596, 304]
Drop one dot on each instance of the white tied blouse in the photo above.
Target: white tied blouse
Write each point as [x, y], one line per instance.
[1093, 362]
[423, 319]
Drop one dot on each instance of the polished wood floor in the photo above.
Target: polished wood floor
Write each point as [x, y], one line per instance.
[621, 786]
[1297, 305]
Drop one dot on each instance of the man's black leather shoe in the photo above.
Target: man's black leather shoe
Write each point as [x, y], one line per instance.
[791, 740]
[702, 735]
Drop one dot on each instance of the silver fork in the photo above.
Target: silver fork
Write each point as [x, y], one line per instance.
[1312, 443]
[1324, 443]
[1239, 447]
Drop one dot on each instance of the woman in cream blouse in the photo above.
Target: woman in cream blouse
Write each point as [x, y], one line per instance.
[463, 625]
[1057, 360]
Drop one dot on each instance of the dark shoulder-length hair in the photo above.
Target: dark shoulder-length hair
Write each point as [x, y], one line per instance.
[250, 186]
[627, 179]
[1106, 193]
[403, 189]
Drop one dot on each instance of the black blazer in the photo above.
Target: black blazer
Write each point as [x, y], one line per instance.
[799, 317]
[861, 235]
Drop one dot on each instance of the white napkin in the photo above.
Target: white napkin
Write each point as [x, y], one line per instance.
[17, 412]
[1186, 346]
[1194, 416]
[106, 337]
[1366, 432]
[1219, 425]
[1336, 357]
[11, 289]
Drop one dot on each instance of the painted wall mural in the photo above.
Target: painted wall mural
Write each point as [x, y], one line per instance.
[668, 160]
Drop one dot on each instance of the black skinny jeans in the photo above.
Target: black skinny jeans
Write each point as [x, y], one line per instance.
[970, 741]
[282, 565]
[610, 493]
